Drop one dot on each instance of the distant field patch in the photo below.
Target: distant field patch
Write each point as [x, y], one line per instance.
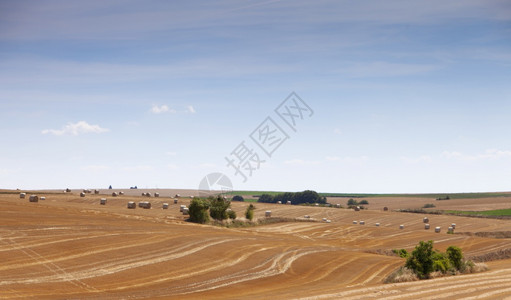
[496, 212]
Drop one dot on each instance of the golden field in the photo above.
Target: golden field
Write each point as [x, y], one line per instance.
[69, 247]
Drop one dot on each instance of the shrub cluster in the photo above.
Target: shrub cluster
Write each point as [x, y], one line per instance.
[295, 198]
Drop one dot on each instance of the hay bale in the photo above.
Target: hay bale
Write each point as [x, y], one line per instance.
[401, 226]
[121, 193]
[115, 194]
[157, 194]
[102, 201]
[186, 211]
[324, 219]
[177, 196]
[68, 191]
[132, 205]
[307, 217]
[82, 194]
[426, 226]
[357, 208]
[377, 224]
[425, 220]
[279, 202]
[288, 202]
[33, 198]
[145, 204]
[453, 225]
[175, 201]
[437, 229]
[355, 222]
[42, 198]
[96, 192]
[143, 194]
[148, 194]
[267, 213]
[328, 221]
[23, 195]
[316, 204]
[450, 229]
[362, 222]
[338, 205]
[165, 205]
[385, 209]
[182, 207]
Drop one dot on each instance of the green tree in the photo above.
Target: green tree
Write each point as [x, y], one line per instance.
[266, 198]
[351, 202]
[455, 256]
[198, 210]
[238, 198]
[440, 262]
[421, 259]
[249, 213]
[218, 208]
[231, 214]
[364, 202]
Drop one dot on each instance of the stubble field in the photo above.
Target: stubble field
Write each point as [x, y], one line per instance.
[74, 248]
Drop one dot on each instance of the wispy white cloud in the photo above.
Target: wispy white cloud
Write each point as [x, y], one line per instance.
[95, 168]
[155, 109]
[76, 129]
[301, 162]
[191, 109]
[488, 154]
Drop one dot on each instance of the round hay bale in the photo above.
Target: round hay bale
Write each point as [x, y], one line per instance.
[23, 195]
[437, 229]
[186, 211]
[115, 194]
[42, 198]
[453, 225]
[96, 192]
[307, 217]
[338, 205]
[267, 213]
[355, 222]
[328, 221]
[362, 222]
[175, 201]
[182, 207]
[148, 194]
[450, 229]
[288, 202]
[324, 219]
[316, 204]
[177, 196]
[121, 193]
[279, 202]
[425, 220]
[357, 208]
[68, 191]
[102, 201]
[165, 205]
[33, 198]
[143, 194]
[157, 194]
[401, 226]
[426, 226]
[132, 205]
[377, 224]
[82, 194]
[385, 209]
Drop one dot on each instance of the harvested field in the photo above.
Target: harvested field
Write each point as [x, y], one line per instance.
[73, 247]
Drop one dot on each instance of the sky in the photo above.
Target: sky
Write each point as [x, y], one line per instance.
[381, 96]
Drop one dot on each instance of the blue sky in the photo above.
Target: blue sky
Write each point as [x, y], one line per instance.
[407, 96]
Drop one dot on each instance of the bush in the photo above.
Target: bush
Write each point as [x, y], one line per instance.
[421, 259]
[249, 213]
[266, 198]
[231, 214]
[441, 262]
[429, 205]
[351, 202]
[218, 208]
[198, 210]
[455, 257]
[401, 253]
[364, 202]
[238, 198]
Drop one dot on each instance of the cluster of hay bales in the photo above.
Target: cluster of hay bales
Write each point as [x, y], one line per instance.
[165, 206]
[132, 205]
[144, 204]
[23, 195]
[102, 201]
[182, 207]
[267, 213]
[33, 198]
[87, 191]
